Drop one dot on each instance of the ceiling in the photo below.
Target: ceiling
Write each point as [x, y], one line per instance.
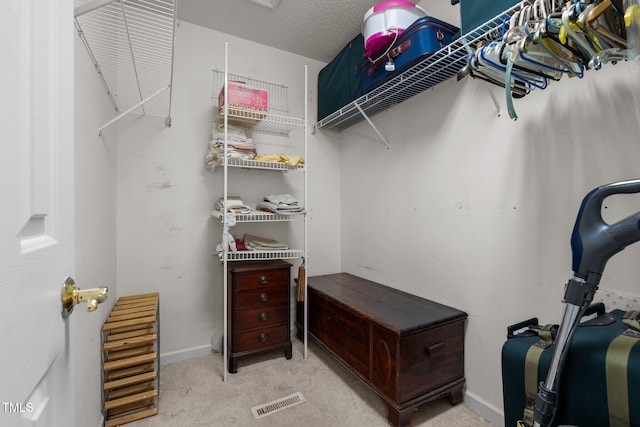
[311, 28]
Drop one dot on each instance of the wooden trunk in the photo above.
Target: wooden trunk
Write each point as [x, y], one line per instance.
[409, 350]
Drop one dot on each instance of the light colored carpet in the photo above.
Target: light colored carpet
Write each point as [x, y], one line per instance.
[192, 393]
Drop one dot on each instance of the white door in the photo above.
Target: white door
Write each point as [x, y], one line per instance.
[37, 384]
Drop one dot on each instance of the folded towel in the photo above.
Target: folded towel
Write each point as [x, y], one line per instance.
[240, 209]
[281, 199]
[262, 243]
[279, 209]
[290, 160]
[232, 201]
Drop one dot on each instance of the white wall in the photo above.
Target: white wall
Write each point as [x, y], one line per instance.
[476, 212]
[166, 235]
[95, 214]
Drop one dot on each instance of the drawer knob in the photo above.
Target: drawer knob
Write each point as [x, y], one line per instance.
[263, 337]
[263, 280]
[263, 297]
[263, 317]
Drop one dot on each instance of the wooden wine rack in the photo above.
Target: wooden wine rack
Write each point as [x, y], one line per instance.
[130, 349]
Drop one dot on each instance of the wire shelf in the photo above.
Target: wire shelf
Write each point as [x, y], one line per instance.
[263, 122]
[263, 165]
[260, 216]
[130, 43]
[430, 71]
[274, 121]
[262, 255]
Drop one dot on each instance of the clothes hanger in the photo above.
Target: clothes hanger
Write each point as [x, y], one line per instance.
[571, 30]
[544, 53]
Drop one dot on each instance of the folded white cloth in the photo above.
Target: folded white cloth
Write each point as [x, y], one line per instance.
[256, 243]
[279, 209]
[232, 201]
[240, 209]
[281, 199]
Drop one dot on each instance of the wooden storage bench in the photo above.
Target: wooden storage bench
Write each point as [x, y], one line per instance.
[130, 352]
[409, 350]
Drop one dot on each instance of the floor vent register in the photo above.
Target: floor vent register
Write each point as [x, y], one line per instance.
[278, 405]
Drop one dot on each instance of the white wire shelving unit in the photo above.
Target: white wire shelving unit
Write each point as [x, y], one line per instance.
[425, 74]
[275, 121]
[131, 45]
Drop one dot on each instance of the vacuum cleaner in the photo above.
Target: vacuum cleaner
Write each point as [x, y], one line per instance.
[593, 243]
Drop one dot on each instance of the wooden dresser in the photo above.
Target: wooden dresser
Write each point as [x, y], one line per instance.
[259, 309]
[409, 350]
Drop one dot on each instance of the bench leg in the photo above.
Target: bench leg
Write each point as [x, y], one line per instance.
[399, 417]
[455, 395]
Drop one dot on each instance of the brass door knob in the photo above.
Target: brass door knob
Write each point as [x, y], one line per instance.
[72, 296]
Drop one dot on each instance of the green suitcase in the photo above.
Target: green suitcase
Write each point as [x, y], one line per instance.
[340, 81]
[474, 13]
[583, 397]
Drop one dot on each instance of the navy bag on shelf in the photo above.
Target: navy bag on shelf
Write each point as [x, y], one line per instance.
[340, 81]
[424, 37]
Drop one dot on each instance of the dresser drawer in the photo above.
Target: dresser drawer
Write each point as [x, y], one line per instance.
[260, 316]
[255, 298]
[255, 339]
[261, 279]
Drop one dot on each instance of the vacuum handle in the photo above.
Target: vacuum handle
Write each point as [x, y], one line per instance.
[593, 241]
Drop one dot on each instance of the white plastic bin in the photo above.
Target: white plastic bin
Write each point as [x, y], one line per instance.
[386, 21]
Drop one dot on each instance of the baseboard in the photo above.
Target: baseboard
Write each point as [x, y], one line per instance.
[490, 412]
[176, 356]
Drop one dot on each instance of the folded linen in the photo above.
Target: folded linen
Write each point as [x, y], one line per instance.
[281, 199]
[279, 209]
[291, 160]
[262, 243]
[231, 201]
[240, 209]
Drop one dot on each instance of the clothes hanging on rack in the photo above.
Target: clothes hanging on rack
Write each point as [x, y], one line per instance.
[544, 40]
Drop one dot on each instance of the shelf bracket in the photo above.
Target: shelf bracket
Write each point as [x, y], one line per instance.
[384, 140]
[495, 102]
[118, 117]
